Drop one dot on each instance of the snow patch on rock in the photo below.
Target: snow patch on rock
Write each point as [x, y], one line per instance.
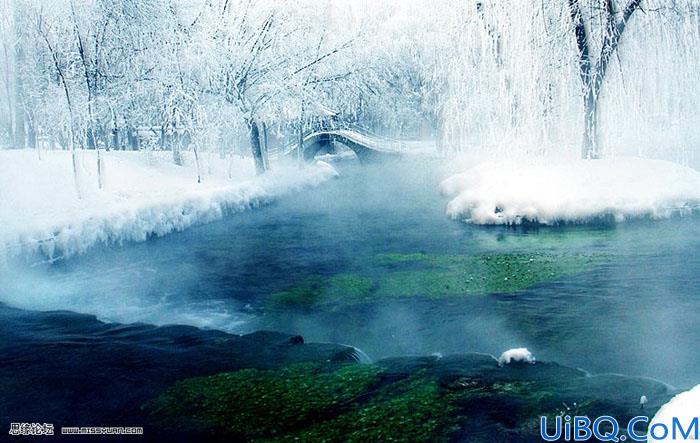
[516, 355]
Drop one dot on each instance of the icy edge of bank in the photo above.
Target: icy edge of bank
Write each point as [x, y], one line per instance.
[507, 193]
[678, 415]
[67, 227]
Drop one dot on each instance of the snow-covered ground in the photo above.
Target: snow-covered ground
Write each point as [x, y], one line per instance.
[572, 192]
[144, 194]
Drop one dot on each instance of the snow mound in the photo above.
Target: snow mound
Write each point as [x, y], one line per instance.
[516, 355]
[685, 407]
[145, 195]
[576, 192]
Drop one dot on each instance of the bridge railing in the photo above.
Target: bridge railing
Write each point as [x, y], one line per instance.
[396, 144]
[354, 132]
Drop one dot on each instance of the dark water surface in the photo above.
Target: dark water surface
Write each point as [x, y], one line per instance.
[632, 307]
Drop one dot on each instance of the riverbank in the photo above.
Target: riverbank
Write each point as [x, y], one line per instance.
[574, 192]
[44, 209]
[186, 383]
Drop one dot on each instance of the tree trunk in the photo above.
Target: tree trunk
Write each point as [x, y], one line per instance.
[115, 137]
[265, 151]
[590, 147]
[174, 142]
[300, 144]
[94, 144]
[31, 135]
[255, 146]
[592, 75]
[132, 138]
[10, 110]
[71, 120]
[90, 135]
[100, 169]
[33, 144]
[177, 153]
[196, 161]
[19, 127]
[164, 139]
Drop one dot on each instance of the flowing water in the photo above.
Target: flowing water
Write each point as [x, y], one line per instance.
[371, 260]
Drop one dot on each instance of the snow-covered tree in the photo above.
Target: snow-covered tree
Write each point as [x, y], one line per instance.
[487, 76]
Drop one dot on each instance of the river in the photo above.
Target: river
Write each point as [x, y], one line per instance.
[370, 259]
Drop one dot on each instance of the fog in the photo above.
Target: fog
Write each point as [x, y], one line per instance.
[634, 313]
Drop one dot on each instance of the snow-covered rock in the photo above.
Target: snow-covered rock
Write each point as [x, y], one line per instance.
[685, 407]
[576, 192]
[145, 194]
[516, 355]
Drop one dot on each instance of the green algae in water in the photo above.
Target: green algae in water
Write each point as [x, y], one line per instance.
[441, 276]
[302, 295]
[308, 402]
[435, 276]
[317, 290]
[355, 403]
[252, 403]
[410, 410]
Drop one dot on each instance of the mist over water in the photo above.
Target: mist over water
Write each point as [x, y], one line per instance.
[315, 187]
[634, 312]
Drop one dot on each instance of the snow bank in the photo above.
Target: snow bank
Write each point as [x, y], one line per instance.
[145, 194]
[685, 407]
[577, 191]
[516, 355]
